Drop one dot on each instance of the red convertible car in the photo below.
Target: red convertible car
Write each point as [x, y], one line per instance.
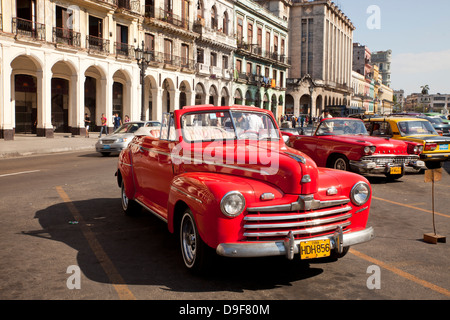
[344, 144]
[223, 179]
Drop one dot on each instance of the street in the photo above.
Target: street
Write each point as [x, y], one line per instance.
[62, 213]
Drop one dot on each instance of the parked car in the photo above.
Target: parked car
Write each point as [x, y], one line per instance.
[119, 139]
[435, 147]
[438, 115]
[224, 181]
[441, 128]
[344, 143]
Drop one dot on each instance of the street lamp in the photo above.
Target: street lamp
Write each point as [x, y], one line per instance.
[142, 58]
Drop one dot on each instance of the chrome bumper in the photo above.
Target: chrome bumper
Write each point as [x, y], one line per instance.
[289, 247]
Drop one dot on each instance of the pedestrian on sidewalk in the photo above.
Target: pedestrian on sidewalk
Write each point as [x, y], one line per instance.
[87, 122]
[104, 125]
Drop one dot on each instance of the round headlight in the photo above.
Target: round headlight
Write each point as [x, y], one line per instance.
[366, 149]
[232, 204]
[372, 149]
[360, 193]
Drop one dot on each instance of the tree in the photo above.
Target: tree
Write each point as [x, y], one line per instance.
[425, 89]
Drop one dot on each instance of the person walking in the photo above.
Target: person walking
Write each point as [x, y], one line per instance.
[87, 122]
[104, 125]
[117, 121]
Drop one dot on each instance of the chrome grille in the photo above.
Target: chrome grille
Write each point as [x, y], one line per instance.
[382, 161]
[108, 141]
[310, 218]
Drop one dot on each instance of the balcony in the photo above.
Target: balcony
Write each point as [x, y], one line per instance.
[256, 51]
[66, 37]
[124, 50]
[28, 29]
[173, 19]
[128, 7]
[97, 45]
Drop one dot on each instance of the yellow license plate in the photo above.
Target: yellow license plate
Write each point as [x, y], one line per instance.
[396, 170]
[315, 249]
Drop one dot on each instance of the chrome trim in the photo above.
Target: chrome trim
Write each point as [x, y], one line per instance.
[151, 211]
[222, 205]
[278, 248]
[297, 232]
[352, 197]
[187, 195]
[298, 224]
[306, 202]
[125, 164]
[297, 216]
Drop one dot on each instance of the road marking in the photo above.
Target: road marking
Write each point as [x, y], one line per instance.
[412, 207]
[116, 279]
[17, 173]
[401, 273]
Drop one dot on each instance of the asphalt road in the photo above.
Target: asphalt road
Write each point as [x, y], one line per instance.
[61, 217]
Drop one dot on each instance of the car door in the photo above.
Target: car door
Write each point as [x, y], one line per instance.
[162, 172]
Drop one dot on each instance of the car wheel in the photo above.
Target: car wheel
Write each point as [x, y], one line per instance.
[130, 207]
[340, 163]
[193, 249]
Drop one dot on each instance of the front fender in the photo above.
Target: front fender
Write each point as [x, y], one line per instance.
[202, 193]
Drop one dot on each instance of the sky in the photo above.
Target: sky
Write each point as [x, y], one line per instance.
[417, 32]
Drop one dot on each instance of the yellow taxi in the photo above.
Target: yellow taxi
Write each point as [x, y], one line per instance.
[435, 147]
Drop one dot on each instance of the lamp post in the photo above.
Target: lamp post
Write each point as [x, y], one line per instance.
[142, 58]
[311, 90]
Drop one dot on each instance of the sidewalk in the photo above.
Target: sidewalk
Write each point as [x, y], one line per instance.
[26, 145]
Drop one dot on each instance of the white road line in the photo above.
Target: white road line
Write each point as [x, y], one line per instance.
[16, 173]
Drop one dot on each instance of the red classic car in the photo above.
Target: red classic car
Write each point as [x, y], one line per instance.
[344, 144]
[223, 179]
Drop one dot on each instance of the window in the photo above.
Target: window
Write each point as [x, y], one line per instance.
[213, 61]
[275, 44]
[258, 70]
[200, 57]
[224, 62]
[184, 55]
[259, 37]
[240, 29]
[167, 51]
[225, 23]
[250, 33]
[249, 68]
[239, 65]
[213, 18]
[268, 41]
[149, 42]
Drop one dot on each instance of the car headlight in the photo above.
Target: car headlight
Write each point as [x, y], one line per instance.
[360, 193]
[232, 204]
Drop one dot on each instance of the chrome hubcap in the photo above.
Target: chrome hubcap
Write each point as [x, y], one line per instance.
[188, 240]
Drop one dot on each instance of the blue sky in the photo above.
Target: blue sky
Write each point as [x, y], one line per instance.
[417, 32]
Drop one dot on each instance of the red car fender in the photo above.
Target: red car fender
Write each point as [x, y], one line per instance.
[202, 193]
[125, 173]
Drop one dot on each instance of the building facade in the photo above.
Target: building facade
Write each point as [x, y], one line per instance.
[321, 39]
[382, 59]
[261, 60]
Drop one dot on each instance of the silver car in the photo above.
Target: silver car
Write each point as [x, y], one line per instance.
[119, 139]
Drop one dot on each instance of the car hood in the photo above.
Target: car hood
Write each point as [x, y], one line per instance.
[383, 145]
[272, 162]
[116, 136]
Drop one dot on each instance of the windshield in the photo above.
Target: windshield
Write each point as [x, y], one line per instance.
[129, 127]
[408, 128]
[341, 127]
[228, 125]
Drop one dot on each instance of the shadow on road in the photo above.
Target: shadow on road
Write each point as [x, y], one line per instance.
[145, 253]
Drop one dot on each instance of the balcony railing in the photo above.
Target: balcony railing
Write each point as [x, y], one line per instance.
[124, 50]
[130, 5]
[97, 44]
[66, 36]
[174, 19]
[256, 49]
[27, 28]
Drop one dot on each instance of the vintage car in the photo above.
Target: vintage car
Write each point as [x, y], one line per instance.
[438, 115]
[224, 181]
[119, 139]
[344, 144]
[435, 147]
[442, 128]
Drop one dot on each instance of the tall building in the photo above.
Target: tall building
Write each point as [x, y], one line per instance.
[383, 60]
[320, 47]
[261, 60]
[362, 65]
